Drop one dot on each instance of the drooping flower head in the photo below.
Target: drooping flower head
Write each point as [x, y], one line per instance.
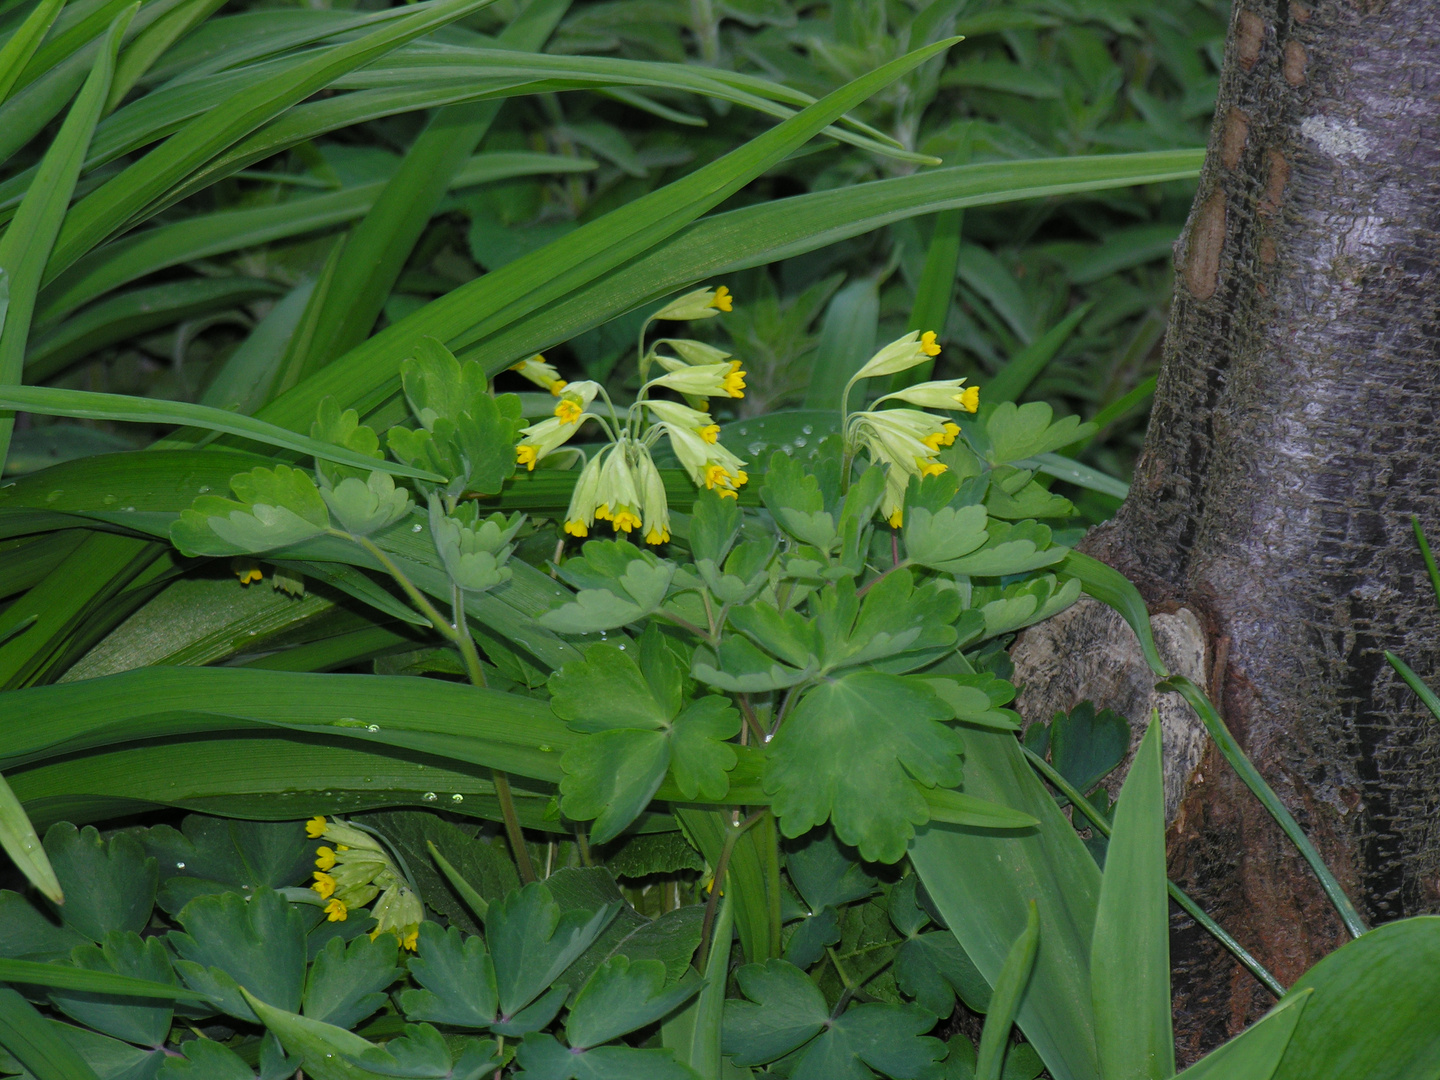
[550, 434]
[541, 373]
[357, 870]
[698, 304]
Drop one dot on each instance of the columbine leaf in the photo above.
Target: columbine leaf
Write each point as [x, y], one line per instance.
[211, 855]
[785, 1010]
[824, 873]
[474, 551]
[532, 942]
[1025, 603]
[608, 690]
[889, 1038]
[1010, 549]
[457, 980]
[874, 798]
[109, 885]
[611, 777]
[896, 619]
[932, 967]
[276, 507]
[976, 699]
[739, 667]
[792, 494]
[232, 941]
[542, 1057]
[619, 584]
[620, 997]
[366, 506]
[206, 1059]
[137, 1020]
[714, 525]
[348, 982]
[937, 539]
[1016, 432]
[423, 1053]
[343, 429]
[700, 755]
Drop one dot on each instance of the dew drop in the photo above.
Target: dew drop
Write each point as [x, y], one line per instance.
[53, 496]
[755, 447]
[203, 488]
[743, 429]
[128, 509]
[457, 797]
[429, 796]
[544, 749]
[179, 866]
[372, 728]
[801, 441]
[416, 528]
[789, 450]
[109, 500]
[807, 429]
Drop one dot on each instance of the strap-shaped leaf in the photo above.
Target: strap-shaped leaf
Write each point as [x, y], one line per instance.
[85, 405]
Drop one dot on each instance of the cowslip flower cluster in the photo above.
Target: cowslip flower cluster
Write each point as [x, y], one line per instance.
[356, 870]
[907, 441]
[620, 484]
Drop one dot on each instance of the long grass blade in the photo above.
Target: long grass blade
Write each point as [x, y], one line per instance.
[377, 248]
[28, 241]
[1100, 825]
[1005, 998]
[18, 838]
[105, 210]
[86, 405]
[24, 42]
[1231, 751]
[62, 977]
[33, 1041]
[1022, 369]
[1130, 954]
[1423, 692]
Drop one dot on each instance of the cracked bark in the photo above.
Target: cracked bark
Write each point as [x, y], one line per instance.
[1296, 429]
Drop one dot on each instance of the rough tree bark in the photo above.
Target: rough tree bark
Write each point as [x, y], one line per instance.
[1296, 429]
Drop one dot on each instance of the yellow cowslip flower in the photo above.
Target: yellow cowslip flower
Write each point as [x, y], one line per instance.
[399, 911]
[315, 827]
[325, 858]
[541, 373]
[942, 394]
[550, 434]
[900, 355]
[709, 464]
[691, 352]
[905, 442]
[336, 911]
[584, 500]
[710, 433]
[324, 885]
[656, 526]
[697, 304]
[247, 570]
[705, 380]
[411, 939]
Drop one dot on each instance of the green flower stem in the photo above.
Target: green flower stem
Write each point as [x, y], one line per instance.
[466, 644]
[1078, 800]
[722, 866]
[772, 881]
[503, 794]
[416, 597]
[751, 720]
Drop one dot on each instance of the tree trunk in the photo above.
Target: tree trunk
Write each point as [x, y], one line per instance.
[1295, 431]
